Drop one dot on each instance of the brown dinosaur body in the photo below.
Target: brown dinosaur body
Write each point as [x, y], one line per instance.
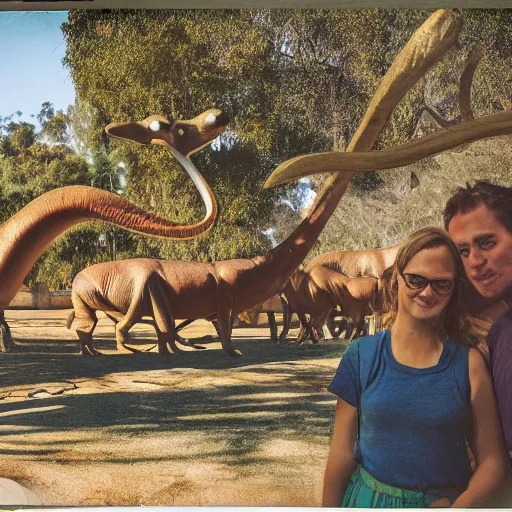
[228, 287]
[320, 291]
[25, 236]
[322, 286]
[367, 262]
[128, 290]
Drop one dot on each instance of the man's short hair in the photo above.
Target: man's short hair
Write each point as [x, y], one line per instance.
[497, 198]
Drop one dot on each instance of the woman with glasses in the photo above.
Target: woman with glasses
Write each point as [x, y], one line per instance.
[412, 398]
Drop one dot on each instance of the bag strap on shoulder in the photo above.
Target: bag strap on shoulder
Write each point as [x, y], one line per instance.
[359, 456]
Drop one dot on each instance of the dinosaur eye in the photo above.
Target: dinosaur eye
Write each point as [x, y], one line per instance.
[210, 119]
[154, 126]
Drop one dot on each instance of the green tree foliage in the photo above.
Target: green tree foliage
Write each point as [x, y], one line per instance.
[293, 82]
[32, 163]
[127, 65]
[397, 210]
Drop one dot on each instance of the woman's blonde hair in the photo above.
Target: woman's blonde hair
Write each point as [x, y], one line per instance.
[456, 324]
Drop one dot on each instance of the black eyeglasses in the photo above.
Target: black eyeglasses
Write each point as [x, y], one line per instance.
[419, 283]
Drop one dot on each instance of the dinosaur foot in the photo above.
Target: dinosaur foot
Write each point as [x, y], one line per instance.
[193, 345]
[6, 342]
[188, 343]
[125, 349]
[88, 351]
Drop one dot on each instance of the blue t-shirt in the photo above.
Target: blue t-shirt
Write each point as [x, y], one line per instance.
[499, 341]
[413, 421]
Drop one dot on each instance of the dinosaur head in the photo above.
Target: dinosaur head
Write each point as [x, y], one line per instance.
[185, 136]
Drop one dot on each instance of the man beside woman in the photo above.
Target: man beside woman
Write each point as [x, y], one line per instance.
[417, 423]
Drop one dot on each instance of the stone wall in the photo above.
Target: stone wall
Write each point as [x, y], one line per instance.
[41, 298]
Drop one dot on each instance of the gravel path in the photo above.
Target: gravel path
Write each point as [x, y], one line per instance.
[200, 429]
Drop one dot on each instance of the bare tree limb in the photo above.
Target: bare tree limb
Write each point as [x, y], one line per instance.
[466, 81]
[365, 161]
[438, 118]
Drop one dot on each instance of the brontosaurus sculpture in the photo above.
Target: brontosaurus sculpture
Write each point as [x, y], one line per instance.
[319, 292]
[31, 230]
[310, 292]
[225, 288]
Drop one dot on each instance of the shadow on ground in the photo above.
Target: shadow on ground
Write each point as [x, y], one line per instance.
[271, 390]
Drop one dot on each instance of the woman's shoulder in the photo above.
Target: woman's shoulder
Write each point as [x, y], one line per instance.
[457, 353]
[365, 345]
[368, 346]
[476, 360]
[373, 340]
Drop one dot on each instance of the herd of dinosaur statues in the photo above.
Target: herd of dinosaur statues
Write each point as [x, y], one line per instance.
[129, 290]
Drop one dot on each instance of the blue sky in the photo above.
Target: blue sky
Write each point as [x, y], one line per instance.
[31, 70]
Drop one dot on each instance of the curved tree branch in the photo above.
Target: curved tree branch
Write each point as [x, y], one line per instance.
[466, 80]
[438, 118]
[399, 156]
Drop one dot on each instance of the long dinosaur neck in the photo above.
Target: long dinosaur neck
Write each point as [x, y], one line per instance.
[25, 236]
[427, 45]
[290, 253]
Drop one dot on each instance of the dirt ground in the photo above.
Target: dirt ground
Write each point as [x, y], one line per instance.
[131, 429]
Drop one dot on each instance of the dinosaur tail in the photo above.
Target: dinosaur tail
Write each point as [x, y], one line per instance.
[70, 319]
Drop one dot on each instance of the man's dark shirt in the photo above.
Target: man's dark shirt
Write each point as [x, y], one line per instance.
[499, 341]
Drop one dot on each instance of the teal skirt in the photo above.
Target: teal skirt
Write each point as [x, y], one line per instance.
[364, 491]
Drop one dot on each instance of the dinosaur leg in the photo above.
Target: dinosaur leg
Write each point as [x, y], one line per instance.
[225, 322]
[114, 319]
[335, 328]
[287, 314]
[85, 321]
[128, 335]
[314, 335]
[317, 325]
[6, 341]
[86, 348]
[171, 339]
[273, 326]
[188, 343]
[215, 324]
[165, 339]
[184, 324]
[132, 316]
[358, 326]
[164, 320]
[304, 329]
[184, 341]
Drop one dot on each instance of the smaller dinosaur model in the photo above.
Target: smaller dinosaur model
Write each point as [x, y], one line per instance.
[309, 291]
[318, 293]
